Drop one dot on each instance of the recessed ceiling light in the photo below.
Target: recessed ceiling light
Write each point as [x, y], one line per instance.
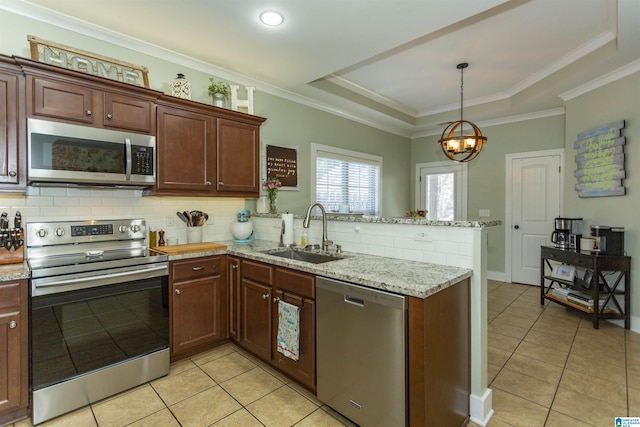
[271, 18]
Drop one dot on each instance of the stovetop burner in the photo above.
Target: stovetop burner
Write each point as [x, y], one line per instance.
[55, 248]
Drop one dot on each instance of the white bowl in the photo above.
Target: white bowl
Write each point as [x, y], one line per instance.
[241, 230]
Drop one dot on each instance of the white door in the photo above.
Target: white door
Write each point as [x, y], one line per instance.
[442, 190]
[535, 203]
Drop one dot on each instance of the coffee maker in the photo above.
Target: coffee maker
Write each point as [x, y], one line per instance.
[611, 239]
[565, 233]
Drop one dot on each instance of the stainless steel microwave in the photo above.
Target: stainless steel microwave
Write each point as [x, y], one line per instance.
[60, 153]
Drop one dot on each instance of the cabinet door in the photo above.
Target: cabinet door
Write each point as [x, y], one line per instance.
[198, 317]
[61, 100]
[11, 358]
[12, 139]
[125, 112]
[303, 369]
[255, 322]
[14, 374]
[233, 280]
[238, 157]
[186, 150]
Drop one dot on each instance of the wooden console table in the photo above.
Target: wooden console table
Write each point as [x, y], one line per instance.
[598, 264]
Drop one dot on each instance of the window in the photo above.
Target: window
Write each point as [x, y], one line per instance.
[344, 177]
[442, 190]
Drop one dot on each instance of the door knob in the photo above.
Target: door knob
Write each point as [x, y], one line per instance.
[13, 324]
[178, 292]
[265, 296]
[516, 226]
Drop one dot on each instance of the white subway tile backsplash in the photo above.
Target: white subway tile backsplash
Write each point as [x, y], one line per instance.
[66, 204]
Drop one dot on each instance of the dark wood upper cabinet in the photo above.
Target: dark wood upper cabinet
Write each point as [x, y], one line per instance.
[66, 95]
[238, 157]
[202, 150]
[13, 151]
[186, 150]
[206, 151]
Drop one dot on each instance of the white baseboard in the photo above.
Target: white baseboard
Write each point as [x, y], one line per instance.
[498, 276]
[480, 408]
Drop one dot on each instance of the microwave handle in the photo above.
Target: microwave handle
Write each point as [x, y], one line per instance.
[127, 143]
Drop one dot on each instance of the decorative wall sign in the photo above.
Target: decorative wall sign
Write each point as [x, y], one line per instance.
[282, 163]
[600, 161]
[87, 62]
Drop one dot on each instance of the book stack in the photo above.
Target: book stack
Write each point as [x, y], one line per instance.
[561, 293]
[582, 299]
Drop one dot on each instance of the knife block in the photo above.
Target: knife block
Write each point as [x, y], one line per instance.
[15, 257]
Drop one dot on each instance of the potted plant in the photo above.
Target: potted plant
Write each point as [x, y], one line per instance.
[219, 91]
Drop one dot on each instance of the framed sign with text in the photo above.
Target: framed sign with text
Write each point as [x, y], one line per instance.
[87, 62]
[600, 166]
[282, 163]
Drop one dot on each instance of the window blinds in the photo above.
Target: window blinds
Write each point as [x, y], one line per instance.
[347, 180]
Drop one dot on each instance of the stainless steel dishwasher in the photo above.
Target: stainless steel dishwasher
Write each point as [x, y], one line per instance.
[361, 352]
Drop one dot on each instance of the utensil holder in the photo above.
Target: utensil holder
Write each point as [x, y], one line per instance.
[194, 234]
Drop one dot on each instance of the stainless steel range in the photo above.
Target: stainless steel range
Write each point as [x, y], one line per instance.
[99, 313]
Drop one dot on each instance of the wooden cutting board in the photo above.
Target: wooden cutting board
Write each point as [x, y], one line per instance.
[189, 248]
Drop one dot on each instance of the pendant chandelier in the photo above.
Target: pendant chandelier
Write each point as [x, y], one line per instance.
[457, 145]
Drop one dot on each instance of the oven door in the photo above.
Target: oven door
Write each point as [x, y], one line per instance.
[80, 331]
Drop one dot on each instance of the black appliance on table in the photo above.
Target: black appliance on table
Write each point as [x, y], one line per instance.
[99, 313]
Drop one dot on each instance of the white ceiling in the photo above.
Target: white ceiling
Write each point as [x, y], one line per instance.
[387, 63]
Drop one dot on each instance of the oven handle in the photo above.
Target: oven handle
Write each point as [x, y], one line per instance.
[94, 278]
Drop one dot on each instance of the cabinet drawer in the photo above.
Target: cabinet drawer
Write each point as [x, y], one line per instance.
[297, 282]
[10, 295]
[580, 260]
[257, 272]
[194, 268]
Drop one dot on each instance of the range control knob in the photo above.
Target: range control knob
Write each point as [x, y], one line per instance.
[59, 232]
[123, 228]
[42, 232]
[135, 228]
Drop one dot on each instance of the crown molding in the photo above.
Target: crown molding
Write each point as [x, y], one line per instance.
[502, 121]
[624, 71]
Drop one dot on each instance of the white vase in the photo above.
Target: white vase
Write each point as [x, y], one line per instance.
[262, 204]
[219, 100]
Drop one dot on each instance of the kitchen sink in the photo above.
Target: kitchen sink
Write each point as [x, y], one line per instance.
[302, 255]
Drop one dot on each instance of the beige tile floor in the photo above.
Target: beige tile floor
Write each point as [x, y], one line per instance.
[222, 387]
[547, 367]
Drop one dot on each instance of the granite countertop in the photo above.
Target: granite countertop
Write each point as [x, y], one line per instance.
[410, 278]
[9, 272]
[334, 216]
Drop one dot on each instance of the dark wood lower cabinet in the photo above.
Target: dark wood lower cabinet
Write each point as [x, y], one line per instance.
[14, 374]
[199, 305]
[233, 284]
[439, 362]
[256, 318]
[262, 287]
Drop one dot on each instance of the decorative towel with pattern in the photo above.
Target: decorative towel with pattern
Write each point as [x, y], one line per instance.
[288, 330]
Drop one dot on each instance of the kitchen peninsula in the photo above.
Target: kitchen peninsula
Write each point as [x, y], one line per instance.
[438, 385]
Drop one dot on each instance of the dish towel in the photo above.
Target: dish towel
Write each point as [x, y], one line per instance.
[288, 330]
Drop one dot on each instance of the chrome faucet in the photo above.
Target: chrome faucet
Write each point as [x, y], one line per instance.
[305, 224]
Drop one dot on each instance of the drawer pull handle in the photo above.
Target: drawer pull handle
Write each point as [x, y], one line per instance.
[109, 117]
[13, 324]
[88, 112]
[178, 292]
[234, 266]
[265, 296]
[275, 300]
[198, 268]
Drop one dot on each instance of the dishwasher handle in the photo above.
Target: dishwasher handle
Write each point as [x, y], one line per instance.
[355, 301]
